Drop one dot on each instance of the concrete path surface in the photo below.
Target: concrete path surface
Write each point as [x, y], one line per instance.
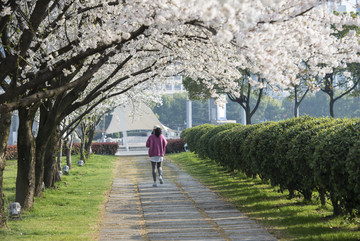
[179, 209]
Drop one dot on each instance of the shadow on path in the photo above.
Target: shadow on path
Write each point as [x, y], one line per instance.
[179, 209]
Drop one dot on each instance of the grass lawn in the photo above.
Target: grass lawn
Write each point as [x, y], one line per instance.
[285, 219]
[70, 212]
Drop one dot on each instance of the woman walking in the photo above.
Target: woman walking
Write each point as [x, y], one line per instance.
[157, 146]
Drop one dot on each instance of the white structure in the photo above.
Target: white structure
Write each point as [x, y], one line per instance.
[173, 85]
[123, 120]
[346, 6]
[217, 114]
[188, 112]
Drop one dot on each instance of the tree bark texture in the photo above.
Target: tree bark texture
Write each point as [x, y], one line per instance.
[60, 153]
[82, 150]
[51, 171]
[46, 127]
[5, 122]
[25, 179]
[332, 102]
[68, 146]
[90, 137]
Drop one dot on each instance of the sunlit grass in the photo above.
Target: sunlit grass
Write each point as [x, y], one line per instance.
[72, 211]
[286, 219]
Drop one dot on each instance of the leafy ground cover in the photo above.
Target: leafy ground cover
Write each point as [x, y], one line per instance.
[72, 211]
[286, 219]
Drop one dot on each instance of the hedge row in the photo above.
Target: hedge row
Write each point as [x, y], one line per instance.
[11, 152]
[300, 154]
[103, 148]
[106, 148]
[175, 146]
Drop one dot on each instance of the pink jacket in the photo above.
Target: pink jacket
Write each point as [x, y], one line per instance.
[157, 145]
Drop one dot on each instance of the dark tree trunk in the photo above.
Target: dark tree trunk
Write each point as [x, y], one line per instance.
[39, 165]
[5, 122]
[248, 115]
[46, 128]
[307, 195]
[335, 204]
[332, 102]
[25, 179]
[51, 170]
[60, 153]
[322, 194]
[329, 90]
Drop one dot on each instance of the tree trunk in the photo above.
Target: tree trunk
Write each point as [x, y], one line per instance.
[39, 165]
[25, 179]
[5, 122]
[335, 204]
[68, 147]
[248, 117]
[89, 139]
[296, 109]
[296, 103]
[307, 195]
[322, 194]
[51, 171]
[82, 150]
[332, 102]
[60, 153]
[46, 127]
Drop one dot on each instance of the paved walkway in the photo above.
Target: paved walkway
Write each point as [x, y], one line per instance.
[180, 209]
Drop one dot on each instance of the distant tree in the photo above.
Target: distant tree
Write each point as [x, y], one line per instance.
[339, 83]
[299, 90]
[244, 99]
[172, 111]
[315, 105]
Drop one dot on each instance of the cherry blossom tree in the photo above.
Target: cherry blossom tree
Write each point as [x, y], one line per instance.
[53, 50]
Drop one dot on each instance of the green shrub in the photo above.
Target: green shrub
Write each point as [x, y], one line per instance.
[246, 152]
[229, 146]
[193, 135]
[299, 154]
[353, 170]
[219, 145]
[207, 146]
[203, 142]
[262, 149]
[296, 174]
[329, 162]
[184, 133]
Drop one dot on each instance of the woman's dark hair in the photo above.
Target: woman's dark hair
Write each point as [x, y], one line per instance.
[157, 132]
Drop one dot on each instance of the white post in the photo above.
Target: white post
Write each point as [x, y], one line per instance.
[243, 116]
[188, 112]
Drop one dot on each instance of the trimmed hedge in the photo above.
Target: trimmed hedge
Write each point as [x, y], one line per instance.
[175, 146]
[103, 148]
[11, 152]
[300, 154]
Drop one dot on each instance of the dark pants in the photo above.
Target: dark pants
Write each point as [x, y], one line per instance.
[159, 167]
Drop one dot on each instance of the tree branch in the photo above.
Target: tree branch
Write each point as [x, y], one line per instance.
[257, 103]
[348, 91]
[100, 101]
